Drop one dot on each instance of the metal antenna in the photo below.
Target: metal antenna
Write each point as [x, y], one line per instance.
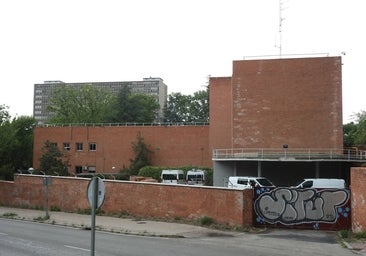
[280, 26]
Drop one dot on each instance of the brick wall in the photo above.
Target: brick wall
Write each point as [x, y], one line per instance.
[220, 112]
[151, 200]
[172, 146]
[155, 200]
[358, 198]
[287, 101]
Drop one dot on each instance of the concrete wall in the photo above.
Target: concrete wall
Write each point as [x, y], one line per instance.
[150, 200]
[358, 199]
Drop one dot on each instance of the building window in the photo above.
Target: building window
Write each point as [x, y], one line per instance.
[91, 169]
[92, 146]
[79, 146]
[78, 169]
[66, 146]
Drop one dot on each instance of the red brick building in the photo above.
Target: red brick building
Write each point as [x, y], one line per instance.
[269, 119]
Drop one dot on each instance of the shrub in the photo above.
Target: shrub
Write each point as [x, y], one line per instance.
[206, 221]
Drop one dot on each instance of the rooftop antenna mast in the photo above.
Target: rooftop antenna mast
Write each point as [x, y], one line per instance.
[280, 26]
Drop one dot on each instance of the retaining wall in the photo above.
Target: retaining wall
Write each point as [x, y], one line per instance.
[150, 200]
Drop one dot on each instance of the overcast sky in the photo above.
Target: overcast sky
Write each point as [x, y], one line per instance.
[183, 42]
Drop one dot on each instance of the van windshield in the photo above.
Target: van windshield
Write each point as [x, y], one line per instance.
[298, 184]
[169, 176]
[195, 177]
[265, 182]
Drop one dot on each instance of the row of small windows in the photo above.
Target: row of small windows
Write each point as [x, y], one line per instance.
[79, 146]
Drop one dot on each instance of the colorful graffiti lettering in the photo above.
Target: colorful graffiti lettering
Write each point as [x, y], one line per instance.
[296, 206]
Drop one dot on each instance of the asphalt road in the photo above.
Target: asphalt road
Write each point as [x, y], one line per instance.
[28, 238]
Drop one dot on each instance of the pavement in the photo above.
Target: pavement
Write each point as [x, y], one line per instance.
[150, 228]
[114, 224]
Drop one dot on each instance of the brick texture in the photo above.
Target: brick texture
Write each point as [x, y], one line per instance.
[150, 200]
[358, 196]
[297, 102]
[171, 146]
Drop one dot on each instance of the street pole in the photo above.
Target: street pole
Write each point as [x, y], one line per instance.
[93, 210]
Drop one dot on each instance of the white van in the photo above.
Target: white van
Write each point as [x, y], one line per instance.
[240, 182]
[321, 183]
[172, 176]
[196, 177]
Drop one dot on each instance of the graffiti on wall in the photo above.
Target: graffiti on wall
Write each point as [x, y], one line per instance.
[291, 206]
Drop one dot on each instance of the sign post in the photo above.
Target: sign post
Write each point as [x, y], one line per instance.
[47, 183]
[95, 194]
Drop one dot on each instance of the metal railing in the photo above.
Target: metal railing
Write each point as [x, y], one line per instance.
[125, 124]
[300, 154]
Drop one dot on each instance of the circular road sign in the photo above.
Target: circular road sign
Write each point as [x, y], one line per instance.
[100, 193]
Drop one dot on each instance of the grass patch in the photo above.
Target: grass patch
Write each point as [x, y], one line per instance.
[41, 218]
[10, 215]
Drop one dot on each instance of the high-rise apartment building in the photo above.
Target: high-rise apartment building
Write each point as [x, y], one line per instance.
[151, 86]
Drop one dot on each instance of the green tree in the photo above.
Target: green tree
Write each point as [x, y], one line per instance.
[137, 108]
[87, 104]
[4, 114]
[22, 154]
[16, 145]
[51, 160]
[142, 157]
[349, 131]
[187, 108]
[360, 133]
[354, 133]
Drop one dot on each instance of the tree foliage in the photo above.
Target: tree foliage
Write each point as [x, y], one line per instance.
[142, 155]
[354, 133]
[87, 104]
[187, 108]
[51, 161]
[142, 158]
[4, 114]
[16, 144]
[90, 104]
[136, 108]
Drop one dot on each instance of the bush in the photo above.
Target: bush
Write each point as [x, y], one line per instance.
[150, 171]
[344, 233]
[206, 221]
[360, 235]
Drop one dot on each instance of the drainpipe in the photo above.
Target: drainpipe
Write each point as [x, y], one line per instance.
[316, 169]
[259, 169]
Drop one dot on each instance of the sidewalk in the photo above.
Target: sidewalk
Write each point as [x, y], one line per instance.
[114, 224]
[135, 227]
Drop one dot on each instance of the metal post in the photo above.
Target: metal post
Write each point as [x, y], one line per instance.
[93, 210]
[259, 169]
[47, 183]
[47, 214]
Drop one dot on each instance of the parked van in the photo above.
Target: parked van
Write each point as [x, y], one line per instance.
[196, 177]
[172, 176]
[240, 182]
[321, 183]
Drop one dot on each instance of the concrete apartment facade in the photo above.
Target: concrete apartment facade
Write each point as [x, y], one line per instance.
[278, 118]
[150, 86]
